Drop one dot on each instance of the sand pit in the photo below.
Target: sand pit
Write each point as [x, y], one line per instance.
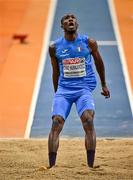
[26, 159]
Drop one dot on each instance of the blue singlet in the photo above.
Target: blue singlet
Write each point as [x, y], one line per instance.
[75, 63]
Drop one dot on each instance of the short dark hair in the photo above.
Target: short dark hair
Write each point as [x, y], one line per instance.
[69, 14]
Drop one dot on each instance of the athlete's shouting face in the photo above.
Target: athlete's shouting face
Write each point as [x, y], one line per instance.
[69, 23]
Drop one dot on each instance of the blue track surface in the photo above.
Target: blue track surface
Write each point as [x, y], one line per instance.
[113, 117]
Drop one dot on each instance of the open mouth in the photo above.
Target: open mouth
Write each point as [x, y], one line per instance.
[71, 24]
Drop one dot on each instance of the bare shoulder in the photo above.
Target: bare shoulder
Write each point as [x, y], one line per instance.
[92, 41]
[93, 44]
[52, 49]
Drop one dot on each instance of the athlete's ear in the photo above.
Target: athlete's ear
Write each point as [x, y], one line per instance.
[62, 26]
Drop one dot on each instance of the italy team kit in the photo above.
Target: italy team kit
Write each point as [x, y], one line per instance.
[77, 78]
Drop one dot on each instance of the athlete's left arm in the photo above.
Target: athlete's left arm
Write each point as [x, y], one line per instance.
[99, 66]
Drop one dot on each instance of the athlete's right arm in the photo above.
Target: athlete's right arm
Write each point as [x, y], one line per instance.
[55, 66]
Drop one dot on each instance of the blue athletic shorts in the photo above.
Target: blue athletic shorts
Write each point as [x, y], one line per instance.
[64, 98]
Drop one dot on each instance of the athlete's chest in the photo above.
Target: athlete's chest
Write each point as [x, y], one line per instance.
[72, 50]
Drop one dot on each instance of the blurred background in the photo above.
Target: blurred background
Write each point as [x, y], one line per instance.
[26, 90]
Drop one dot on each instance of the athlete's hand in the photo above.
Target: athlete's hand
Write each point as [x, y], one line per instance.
[105, 92]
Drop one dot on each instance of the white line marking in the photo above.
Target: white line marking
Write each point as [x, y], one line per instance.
[47, 34]
[121, 52]
[107, 43]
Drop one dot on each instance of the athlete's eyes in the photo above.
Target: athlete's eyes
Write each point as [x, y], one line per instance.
[67, 17]
[73, 17]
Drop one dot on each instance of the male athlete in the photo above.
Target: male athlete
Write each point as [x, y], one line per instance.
[74, 80]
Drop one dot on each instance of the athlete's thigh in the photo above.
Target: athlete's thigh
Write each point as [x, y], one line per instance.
[85, 102]
[61, 106]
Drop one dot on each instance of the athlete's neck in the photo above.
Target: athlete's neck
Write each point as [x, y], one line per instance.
[70, 36]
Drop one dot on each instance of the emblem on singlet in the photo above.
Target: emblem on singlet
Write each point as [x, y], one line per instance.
[74, 67]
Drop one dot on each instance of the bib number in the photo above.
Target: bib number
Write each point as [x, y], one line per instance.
[74, 67]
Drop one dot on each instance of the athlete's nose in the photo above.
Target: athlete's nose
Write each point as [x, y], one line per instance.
[70, 19]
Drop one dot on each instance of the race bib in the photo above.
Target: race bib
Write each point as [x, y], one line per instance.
[74, 67]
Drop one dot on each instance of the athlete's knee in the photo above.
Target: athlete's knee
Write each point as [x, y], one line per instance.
[88, 125]
[58, 123]
[87, 120]
[88, 114]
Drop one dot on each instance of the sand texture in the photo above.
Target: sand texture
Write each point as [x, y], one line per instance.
[27, 159]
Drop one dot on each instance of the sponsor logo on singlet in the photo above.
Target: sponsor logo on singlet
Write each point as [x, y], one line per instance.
[74, 67]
